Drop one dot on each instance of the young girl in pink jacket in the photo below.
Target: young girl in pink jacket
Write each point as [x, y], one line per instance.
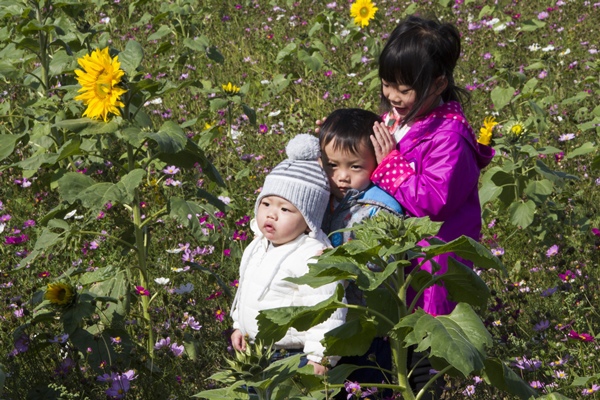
[428, 156]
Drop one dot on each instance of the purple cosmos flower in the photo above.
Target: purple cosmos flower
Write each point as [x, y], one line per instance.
[552, 251]
[171, 170]
[593, 389]
[177, 350]
[541, 326]
[352, 388]
[162, 343]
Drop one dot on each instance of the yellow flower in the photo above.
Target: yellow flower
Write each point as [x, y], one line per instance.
[363, 11]
[515, 128]
[60, 293]
[485, 133]
[99, 79]
[230, 88]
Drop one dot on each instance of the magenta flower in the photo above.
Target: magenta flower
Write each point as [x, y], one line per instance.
[240, 235]
[220, 315]
[17, 239]
[141, 291]
[262, 128]
[227, 252]
[584, 337]
[568, 276]
[596, 231]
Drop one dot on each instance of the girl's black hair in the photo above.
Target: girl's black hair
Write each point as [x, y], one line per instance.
[418, 52]
[348, 128]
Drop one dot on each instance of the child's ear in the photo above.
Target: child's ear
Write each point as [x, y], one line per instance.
[441, 83]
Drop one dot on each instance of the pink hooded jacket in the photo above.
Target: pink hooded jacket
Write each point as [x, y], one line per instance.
[435, 172]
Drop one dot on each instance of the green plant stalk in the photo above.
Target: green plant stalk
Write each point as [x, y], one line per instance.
[399, 352]
[141, 247]
[43, 55]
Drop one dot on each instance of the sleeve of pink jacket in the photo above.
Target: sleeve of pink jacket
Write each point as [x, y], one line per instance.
[436, 186]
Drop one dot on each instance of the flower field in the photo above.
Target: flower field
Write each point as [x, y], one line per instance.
[135, 135]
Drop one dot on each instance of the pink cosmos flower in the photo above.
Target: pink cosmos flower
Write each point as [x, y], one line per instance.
[220, 315]
[584, 337]
[141, 291]
[552, 251]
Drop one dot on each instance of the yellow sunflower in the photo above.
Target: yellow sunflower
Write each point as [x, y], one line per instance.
[99, 79]
[515, 129]
[60, 293]
[230, 88]
[363, 11]
[485, 133]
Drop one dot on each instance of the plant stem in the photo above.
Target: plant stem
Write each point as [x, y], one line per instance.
[141, 247]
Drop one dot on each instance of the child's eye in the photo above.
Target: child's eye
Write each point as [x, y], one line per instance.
[265, 203]
[331, 165]
[356, 167]
[285, 209]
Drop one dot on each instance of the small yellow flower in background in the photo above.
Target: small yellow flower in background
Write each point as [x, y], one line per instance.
[515, 129]
[485, 133]
[99, 79]
[60, 293]
[363, 11]
[230, 88]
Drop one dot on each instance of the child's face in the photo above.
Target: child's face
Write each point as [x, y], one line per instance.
[403, 98]
[347, 170]
[279, 221]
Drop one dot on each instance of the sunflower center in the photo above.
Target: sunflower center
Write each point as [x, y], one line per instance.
[103, 85]
[364, 12]
[61, 294]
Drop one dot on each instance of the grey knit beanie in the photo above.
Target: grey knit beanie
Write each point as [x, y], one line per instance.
[300, 180]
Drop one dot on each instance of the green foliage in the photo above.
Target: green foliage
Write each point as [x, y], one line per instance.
[293, 62]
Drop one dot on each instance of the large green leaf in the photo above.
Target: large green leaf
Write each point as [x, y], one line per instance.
[73, 316]
[97, 195]
[116, 287]
[227, 393]
[314, 60]
[459, 338]
[557, 177]
[501, 96]
[274, 323]
[353, 338]
[163, 31]
[131, 57]
[539, 190]
[501, 376]
[586, 148]
[464, 285]
[7, 144]
[71, 184]
[521, 213]
[469, 249]
[170, 138]
[87, 126]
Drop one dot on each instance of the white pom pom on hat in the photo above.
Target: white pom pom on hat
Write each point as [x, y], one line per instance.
[303, 147]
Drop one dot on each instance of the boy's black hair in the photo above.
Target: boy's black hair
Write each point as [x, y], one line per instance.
[348, 128]
[418, 52]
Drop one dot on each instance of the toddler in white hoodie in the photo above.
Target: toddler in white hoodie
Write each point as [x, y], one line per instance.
[288, 215]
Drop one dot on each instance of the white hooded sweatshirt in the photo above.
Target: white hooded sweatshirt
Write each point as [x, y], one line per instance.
[262, 287]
